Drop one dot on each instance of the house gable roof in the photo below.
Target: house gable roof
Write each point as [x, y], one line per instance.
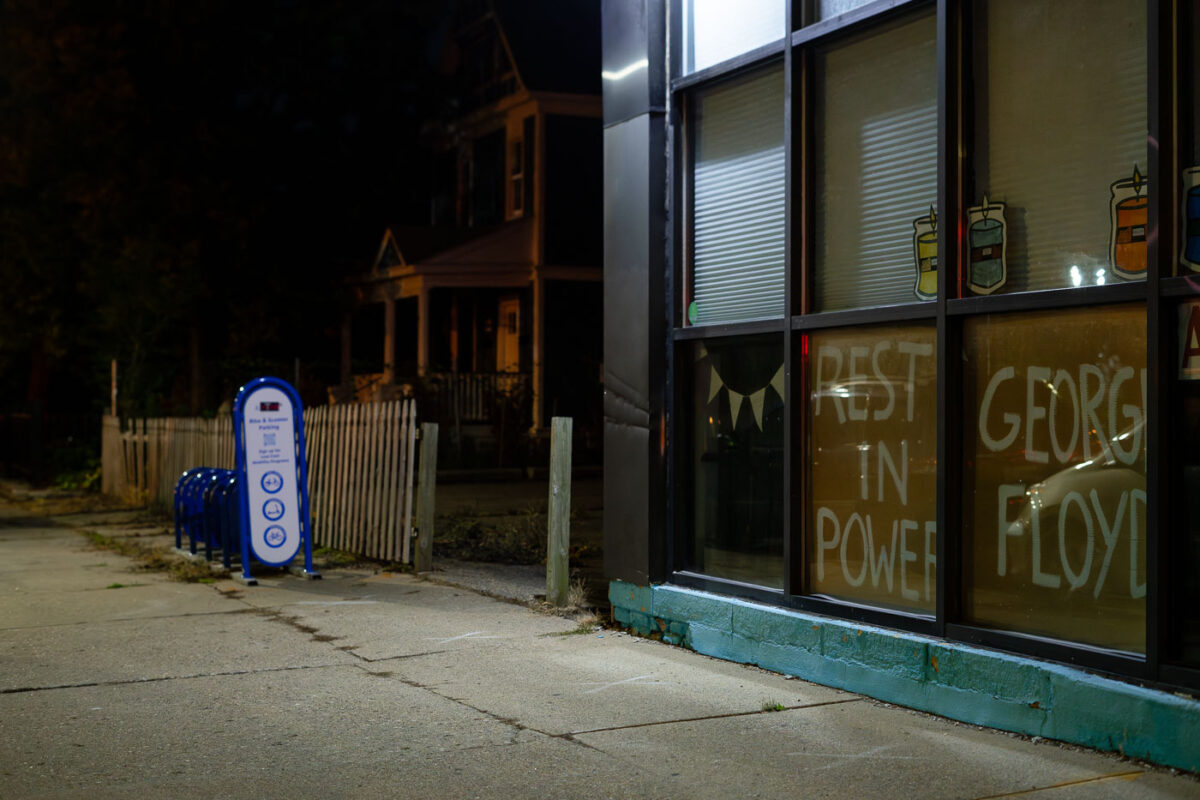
[389, 254]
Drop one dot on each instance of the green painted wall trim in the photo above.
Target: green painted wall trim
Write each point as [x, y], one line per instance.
[983, 687]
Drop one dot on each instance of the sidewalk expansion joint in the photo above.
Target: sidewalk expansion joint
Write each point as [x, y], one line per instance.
[164, 678]
[1116, 776]
[509, 721]
[730, 715]
[385, 659]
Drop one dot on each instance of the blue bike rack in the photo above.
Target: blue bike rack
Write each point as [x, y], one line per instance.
[200, 495]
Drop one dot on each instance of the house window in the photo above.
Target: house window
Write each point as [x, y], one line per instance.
[925, 271]
[517, 177]
[487, 179]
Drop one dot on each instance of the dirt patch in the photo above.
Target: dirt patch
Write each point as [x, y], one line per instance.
[56, 502]
[497, 539]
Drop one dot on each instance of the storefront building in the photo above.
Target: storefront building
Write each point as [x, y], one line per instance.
[902, 351]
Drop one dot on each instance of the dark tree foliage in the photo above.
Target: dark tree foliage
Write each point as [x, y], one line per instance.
[183, 186]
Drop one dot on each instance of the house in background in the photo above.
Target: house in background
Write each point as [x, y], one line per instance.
[491, 315]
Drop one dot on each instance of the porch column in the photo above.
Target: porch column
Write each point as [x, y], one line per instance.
[539, 347]
[389, 341]
[423, 331]
[344, 374]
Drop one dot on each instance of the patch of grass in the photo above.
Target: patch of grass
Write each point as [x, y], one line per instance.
[86, 479]
[773, 705]
[157, 559]
[330, 557]
[115, 586]
[577, 594]
[587, 624]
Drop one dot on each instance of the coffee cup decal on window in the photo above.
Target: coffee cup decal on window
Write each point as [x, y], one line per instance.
[1127, 210]
[925, 251]
[1190, 255]
[987, 234]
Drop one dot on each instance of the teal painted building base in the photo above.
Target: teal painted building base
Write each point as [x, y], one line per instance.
[982, 687]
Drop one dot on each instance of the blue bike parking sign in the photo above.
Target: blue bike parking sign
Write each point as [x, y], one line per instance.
[268, 424]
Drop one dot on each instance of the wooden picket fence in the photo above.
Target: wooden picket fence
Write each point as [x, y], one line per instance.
[361, 465]
[142, 459]
[361, 461]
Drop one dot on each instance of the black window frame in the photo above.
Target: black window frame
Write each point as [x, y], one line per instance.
[1169, 89]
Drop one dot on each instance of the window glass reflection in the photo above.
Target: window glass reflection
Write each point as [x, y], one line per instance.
[876, 168]
[1184, 426]
[717, 30]
[737, 459]
[1060, 189]
[1189, 256]
[825, 9]
[872, 476]
[1054, 506]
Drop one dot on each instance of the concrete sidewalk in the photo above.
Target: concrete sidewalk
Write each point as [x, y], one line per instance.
[118, 683]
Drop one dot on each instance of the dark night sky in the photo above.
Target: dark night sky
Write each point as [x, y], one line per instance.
[199, 172]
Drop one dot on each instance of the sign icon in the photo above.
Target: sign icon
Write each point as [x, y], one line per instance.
[273, 509]
[272, 482]
[275, 536]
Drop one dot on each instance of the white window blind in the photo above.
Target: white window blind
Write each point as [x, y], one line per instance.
[876, 165]
[737, 203]
[1060, 99]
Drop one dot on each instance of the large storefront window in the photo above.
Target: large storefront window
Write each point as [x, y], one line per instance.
[1060, 192]
[1189, 256]
[958, 427]
[737, 201]
[1184, 419]
[737, 459]
[872, 500]
[1186, 482]
[876, 168]
[1055, 474]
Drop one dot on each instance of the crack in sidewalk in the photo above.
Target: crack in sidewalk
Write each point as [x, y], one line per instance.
[163, 678]
[1116, 776]
[730, 715]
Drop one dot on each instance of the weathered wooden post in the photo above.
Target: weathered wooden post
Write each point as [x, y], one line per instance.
[558, 516]
[425, 509]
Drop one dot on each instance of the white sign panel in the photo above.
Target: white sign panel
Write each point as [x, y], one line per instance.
[269, 436]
